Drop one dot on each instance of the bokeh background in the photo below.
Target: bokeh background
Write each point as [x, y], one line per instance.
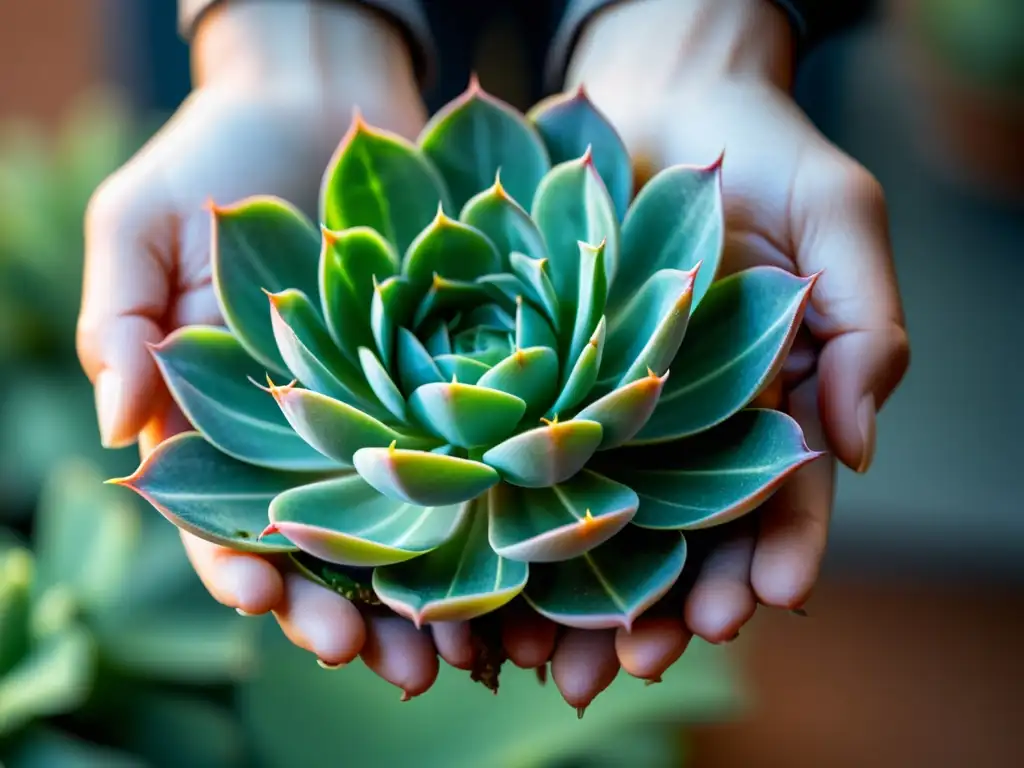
[911, 654]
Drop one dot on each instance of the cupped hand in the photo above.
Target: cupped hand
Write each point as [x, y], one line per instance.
[251, 127]
[684, 81]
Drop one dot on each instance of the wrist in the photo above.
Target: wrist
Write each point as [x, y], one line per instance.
[297, 49]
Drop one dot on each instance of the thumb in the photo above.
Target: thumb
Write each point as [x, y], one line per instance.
[841, 229]
[125, 296]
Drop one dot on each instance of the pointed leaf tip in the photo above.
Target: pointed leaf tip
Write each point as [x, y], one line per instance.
[270, 530]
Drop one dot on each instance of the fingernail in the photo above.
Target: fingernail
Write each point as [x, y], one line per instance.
[652, 681]
[406, 696]
[240, 612]
[866, 422]
[110, 396]
[580, 711]
[325, 665]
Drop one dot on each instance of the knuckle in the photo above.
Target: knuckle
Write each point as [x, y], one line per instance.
[107, 205]
[858, 186]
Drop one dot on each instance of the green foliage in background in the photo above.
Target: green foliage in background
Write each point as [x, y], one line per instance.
[983, 39]
[103, 639]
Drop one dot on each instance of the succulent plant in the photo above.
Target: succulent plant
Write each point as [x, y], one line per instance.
[103, 650]
[491, 371]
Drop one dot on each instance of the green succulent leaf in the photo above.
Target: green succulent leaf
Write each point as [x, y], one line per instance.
[647, 333]
[449, 296]
[261, 244]
[450, 249]
[210, 376]
[352, 263]
[546, 455]
[573, 206]
[212, 495]
[461, 369]
[54, 679]
[311, 355]
[716, 476]
[16, 575]
[474, 136]
[583, 374]
[390, 308]
[460, 580]
[542, 525]
[382, 384]
[676, 222]
[466, 415]
[505, 222]
[530, 374]
[532, 328]
[736, 344]
[416, 367]
[504, 289]
[336, 429]
[593, 287]
[611, 585]
[380, 180]
[348, 522]
[623, 412]
[569, 124]
[532, 274]
[427, 479]
[439, 341]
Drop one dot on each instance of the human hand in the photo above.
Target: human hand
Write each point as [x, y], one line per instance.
[683, 80]
[272, 100]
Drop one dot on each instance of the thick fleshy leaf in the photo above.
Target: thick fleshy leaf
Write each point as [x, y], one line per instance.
[352, 263]
[428, 479]
[336, 429]
[572, 206]
[261, 244]
[545, 455]
[623, 412]
[482, 344]
[716, 476]
[450, 249]
[210, 374]
[581, 377]
[348, 522]
[569, 123]
[611, 585]
[446, 297]
[490, 317]
[590, 303]
[543, 525]
[54, 680]
[390, 308]
[415, 365]
[505, 222]
[474, 136]
[647, 333]
[465, 370]
[466, 415]
[532, 328]
[439, 342]
[380, 180]
[503, 289]
[736, 344]
[532, 274]
[676, 222]
[16, 586]
[382, 384]
[311, 355]
[530, 374]
[459, 581]
[211, 495]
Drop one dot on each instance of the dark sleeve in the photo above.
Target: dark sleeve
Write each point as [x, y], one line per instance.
[812, 21]
[406, 14]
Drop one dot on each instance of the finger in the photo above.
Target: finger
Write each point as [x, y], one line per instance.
[320, 621]
[584, 664]
[841, 229]
[454, 642]
[654, 645]
[721, 600]
[126, 294]
[400, 653]
[238, 580]
[793, 526]
[528, 637]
